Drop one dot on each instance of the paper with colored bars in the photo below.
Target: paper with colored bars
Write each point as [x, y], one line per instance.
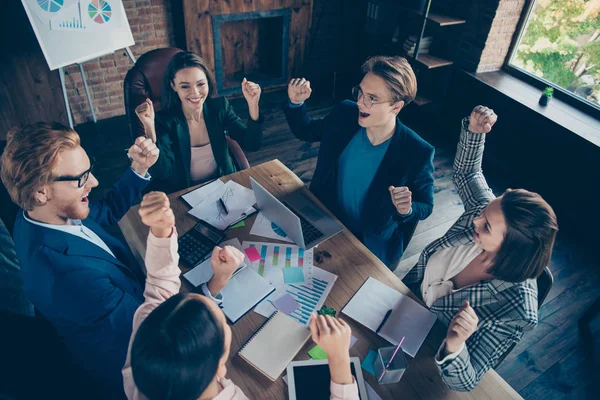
[274, 258]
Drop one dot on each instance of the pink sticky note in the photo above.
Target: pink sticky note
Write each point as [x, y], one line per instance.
[252, 254]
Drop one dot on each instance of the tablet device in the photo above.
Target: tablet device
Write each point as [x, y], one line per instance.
[311, 380]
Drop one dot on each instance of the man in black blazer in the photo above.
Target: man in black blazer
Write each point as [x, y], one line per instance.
[373, 172]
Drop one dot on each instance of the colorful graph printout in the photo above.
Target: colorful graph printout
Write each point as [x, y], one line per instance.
[310, 297]
[51, 5]
[275, 257]
[100, 11]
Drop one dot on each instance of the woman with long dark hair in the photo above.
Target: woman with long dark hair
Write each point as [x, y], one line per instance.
[479, 278]
[191, 128]
[181, 342]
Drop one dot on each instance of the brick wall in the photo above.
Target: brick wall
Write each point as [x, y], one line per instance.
[159, 23]
[152, 27]
[491, 27]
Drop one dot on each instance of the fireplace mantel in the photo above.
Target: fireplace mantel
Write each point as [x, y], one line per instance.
[205, 17]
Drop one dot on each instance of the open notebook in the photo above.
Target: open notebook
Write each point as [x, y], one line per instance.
[405, 317]
[244, 290]
[275, 345]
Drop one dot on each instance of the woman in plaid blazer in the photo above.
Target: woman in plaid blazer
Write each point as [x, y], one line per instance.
[479, 278]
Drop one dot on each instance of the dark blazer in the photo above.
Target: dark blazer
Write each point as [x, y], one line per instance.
[407, 162]
[88, 295]
[171, 172]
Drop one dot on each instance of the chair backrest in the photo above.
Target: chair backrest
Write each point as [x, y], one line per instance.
[544, 284]
[144, 80]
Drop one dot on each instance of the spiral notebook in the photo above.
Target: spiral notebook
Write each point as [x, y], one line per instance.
[275, 345]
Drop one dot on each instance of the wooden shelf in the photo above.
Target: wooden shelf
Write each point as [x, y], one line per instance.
[421, 101]
[430, 61]
[440, 19]
[444, 20]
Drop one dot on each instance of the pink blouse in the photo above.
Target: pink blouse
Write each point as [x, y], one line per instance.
[202, 164]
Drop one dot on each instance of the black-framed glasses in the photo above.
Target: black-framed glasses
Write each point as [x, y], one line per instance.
[81, 179]
[368, 101]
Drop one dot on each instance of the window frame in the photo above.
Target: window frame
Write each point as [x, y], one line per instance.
[559, 93]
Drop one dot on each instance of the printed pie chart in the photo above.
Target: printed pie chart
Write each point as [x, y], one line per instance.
[99, 11]
[51, 5]
[278, 230]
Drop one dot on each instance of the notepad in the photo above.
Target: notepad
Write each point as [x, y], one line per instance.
[244, 290]
[275, 345]
[408, 318]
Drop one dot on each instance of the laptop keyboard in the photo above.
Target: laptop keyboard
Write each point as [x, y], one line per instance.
[309, 231]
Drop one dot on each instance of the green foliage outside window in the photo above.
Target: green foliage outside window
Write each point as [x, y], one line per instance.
[561, 44]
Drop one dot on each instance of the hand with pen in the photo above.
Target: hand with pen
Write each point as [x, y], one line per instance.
[461, 327]
[333, 335]
[224, 262]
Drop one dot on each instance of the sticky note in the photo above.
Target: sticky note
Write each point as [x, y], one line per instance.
[238, 225]
[252, 254]
[368, 362]
[286, 304]
[293, 275]
[317, 353]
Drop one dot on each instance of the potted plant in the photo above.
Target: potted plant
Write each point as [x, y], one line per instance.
[546, 95]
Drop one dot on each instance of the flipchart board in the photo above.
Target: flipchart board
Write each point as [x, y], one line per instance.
[74, 31]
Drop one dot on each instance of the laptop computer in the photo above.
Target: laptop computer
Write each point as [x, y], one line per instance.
[298, 216]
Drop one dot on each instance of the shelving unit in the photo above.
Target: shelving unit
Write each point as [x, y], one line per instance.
[429, 61]
[389, 25]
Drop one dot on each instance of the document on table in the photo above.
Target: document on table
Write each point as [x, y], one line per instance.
[245, 288]
[196, 196]
[238, 201]
[265, 228]
[377, 306]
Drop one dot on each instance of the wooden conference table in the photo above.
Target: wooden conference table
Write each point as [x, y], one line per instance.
[353, 264]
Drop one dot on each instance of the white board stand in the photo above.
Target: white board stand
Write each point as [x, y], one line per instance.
[61, 73]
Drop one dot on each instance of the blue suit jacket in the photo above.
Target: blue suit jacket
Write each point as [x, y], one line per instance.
[87, 294]
[407, 162]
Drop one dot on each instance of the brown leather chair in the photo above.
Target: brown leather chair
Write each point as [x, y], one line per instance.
[144, 80]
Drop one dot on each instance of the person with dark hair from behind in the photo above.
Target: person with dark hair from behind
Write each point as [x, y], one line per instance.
[479, 278]
[190, 129]
[181, 341]
[373, 172]
[83, 280]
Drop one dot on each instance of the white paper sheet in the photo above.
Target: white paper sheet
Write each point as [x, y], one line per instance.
[238, 199]
[408, 318]
[203, 271]
[311, 298]
[244, 290]
[195, 197]
[265, 228]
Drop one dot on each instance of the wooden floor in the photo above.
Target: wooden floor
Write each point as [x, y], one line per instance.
[551, 362]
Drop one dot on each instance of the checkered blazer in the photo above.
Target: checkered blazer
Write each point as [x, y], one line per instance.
[505, 309]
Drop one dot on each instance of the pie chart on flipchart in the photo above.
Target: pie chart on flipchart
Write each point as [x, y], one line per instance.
[51, 5]
[100, 11]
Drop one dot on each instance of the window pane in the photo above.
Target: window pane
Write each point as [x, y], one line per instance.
[561, 44]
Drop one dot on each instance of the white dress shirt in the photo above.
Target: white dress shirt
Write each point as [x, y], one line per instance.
[76, 228]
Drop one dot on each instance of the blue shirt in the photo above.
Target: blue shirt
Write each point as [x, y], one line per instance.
[357, 166]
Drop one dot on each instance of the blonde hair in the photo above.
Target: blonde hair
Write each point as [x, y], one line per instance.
[30, 157]
[397, 73]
